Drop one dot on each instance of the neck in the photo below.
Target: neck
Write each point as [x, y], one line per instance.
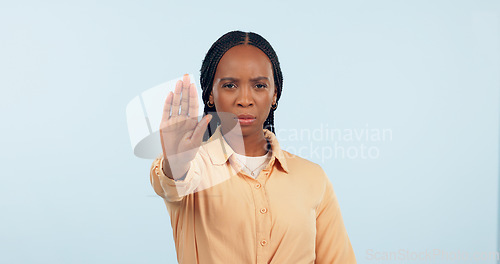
[252, 145]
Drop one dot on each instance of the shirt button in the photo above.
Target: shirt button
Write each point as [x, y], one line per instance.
[263, 242]
[263, 210]
[257, 185]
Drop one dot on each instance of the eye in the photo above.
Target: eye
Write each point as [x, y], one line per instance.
[229, 85]
[261, 86]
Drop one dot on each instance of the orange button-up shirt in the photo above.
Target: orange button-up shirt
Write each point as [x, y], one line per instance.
[289, 214]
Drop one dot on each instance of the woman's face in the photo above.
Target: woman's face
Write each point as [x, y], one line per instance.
[244, 86]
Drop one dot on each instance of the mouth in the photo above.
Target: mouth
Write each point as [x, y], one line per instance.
[246, 119]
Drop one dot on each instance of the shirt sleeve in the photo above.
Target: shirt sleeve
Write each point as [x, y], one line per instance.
[332, 242]
[174, 190]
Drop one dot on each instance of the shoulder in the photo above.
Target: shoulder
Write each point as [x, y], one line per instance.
[298, 162]
[304, 167]
[311, 176]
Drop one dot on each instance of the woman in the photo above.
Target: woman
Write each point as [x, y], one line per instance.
[237, 197]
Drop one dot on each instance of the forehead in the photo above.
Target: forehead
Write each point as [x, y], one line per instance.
[244, 60]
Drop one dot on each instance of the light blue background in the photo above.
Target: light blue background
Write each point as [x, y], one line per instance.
[71, 190]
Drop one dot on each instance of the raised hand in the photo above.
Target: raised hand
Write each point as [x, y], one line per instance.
[181, 133]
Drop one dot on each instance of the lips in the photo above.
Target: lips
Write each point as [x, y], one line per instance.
[246, 116]
[246, 119]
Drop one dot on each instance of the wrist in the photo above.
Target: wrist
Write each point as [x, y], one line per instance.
[176, 171]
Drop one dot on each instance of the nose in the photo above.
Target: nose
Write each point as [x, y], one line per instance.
[245, 97]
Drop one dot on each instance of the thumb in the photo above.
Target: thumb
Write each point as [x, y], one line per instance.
[200, 128]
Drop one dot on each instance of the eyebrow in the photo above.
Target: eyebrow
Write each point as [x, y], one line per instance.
[253, 79]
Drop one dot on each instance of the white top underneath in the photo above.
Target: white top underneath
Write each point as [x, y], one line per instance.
[253, 165]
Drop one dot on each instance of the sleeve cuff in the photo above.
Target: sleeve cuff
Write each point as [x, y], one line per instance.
[176, 189]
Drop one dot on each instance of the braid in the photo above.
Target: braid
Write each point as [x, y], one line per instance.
[209, 67]
[269, 123]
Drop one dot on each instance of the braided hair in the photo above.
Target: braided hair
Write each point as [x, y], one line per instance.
[214, 55]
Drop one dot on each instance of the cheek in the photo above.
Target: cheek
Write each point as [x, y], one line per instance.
[265, 103]
[269, 97]
[221, 99]
[215, 94]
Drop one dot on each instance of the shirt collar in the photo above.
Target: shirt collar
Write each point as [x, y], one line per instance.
[220, 151]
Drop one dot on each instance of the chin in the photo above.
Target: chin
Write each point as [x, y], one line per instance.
[239, 130]
[251, 130]
[247, 131]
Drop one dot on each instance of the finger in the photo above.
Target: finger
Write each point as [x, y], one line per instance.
[201, 128]
[167, 107]
[193, 101]
[185, 94]
[176, 100]
[186, 79]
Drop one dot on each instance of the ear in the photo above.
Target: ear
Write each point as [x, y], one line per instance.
[275, 96]
[211, 97]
